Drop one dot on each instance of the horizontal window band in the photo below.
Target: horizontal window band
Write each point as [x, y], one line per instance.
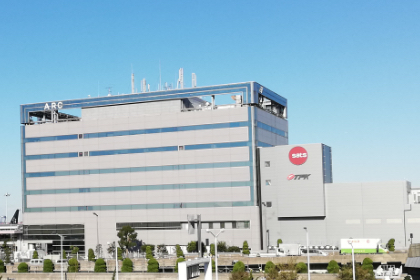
[143, 188]
[137, 132]
[139, 169]
[142, 150]
[271, 129]
[141, 206]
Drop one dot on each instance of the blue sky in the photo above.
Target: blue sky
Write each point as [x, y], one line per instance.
[349, 69]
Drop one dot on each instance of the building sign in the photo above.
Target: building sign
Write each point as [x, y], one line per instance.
[53, 106]
[298, 177]
[298, 155]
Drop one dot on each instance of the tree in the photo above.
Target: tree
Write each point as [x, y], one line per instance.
[6, 251]
[100, 265]
[178, 260]
[234, 249]
[2, 267]
[74, 250]
[152, 265]
[127, 265]
[127, 237]
[192, 247]
[73, 265]
[346, 273]
[111, 248]
[144, 246]
[91, 255]
[179, 252]
[48, 266]
[269, 266]
[245, 248]
[212, 249]
[119, 252]
[221, 246]
[63, 254]
[239, 266]
[333, 267]
[391, 245]
[213, 265]
[161, 249]
[301, 267]
[23, 267]
[149, 254]
[35, 255]
[367, 264]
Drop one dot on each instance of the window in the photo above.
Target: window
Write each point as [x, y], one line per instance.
[268, 182]
[267, 164]
[269, 204]
[86, 154]
[180, 148]
[222, 224]
[80, 154]
[80, 136]
[210, 225]
[234, 225]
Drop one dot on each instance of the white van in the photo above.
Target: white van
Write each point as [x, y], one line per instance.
[35, 262]
[61, 261]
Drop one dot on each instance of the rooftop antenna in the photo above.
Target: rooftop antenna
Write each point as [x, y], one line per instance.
[194, 80]
[160, 77]
[132, 79]
[109, 91]
[180, 78]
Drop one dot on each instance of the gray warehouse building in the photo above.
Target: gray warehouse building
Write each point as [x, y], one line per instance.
[149, 159]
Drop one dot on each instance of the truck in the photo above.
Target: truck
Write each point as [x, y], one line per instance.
[289, 250]
[362, 246]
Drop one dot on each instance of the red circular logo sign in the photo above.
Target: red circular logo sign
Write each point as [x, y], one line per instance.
[298, 155]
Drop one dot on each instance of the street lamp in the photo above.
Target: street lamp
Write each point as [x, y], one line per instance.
[352, 256]
[6, 195]
[215, 248]
[116, 261]
[61, 261]
[307, 252]
[97, 231]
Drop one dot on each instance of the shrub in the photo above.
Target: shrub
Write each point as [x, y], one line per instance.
[240, 275]
[152, 265]
[279, 241]
[149, 254]
[391, 245]
[23, 267]
[2, 267]
[74, 250]
[408, 277]
[367, 264]
[301, 267]
[119, 252]
[179, 252]
[100, 265]
[234, 249]
[346, 273]
[127, 265]
[239, 267]
[178, 261]
[245, 248]
[269, 266]
[212, 251]
[221, 246]
[144, 247]
[48, 266]
[333, 267]
[213, 265]
[192, 247]
[73, 265]
[35, 255]
[91, 255]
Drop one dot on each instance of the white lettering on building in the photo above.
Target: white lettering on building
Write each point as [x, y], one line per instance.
[53, 106]
[300, 155]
